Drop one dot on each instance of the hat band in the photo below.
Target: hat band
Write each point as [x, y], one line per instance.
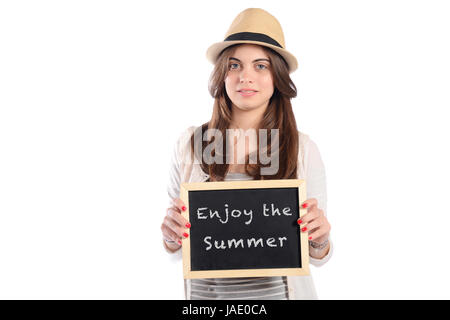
[253, 36]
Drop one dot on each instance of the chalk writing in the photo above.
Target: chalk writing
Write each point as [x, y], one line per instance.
[251, 242]
[223, 217]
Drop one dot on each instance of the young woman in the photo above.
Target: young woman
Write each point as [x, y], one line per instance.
[252, 90]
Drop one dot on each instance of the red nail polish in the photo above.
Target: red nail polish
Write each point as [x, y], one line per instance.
[299, 221]
[183, 208]
[304, 229]
[185, 235]
[188, 225]
[304, 205]
[179, 242]
[310, 238]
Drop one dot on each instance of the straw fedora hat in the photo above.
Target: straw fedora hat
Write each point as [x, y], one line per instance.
[255, 26]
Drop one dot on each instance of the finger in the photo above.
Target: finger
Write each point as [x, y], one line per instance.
[177, 229]
[169, 234]
[324, 229]
[309, 203]
[178, 218]
[311, 226]
[311, 215]
[178, 203]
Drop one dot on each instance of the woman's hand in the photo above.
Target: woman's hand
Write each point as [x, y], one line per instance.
[174, 227]
[314, 222]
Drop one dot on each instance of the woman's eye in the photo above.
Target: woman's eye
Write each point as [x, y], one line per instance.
[258, 66]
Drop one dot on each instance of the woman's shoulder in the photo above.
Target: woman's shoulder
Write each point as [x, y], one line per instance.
[307, 146]
[309, 155]
[187, 133]
[303, 139]
[183, 143]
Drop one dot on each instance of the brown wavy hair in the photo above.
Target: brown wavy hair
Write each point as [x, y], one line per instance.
[278, 115]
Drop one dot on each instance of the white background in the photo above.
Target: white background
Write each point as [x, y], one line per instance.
[93, 95]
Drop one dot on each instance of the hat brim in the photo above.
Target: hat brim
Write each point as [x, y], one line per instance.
[213, 52]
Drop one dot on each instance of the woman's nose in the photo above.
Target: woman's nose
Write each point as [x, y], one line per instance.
[246, 76]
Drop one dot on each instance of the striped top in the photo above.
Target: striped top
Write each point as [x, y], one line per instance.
[250, 288]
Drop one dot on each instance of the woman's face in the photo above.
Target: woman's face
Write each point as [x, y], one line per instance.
[249, 68]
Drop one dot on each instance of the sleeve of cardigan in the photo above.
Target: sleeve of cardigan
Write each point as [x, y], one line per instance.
[316, 187]
[173, 186]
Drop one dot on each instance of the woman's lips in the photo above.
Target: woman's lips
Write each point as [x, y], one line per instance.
[247, 93]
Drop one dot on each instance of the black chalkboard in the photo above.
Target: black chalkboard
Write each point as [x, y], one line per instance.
[244, 229]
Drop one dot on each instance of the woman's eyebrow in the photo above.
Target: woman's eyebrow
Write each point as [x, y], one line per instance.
[261, 59]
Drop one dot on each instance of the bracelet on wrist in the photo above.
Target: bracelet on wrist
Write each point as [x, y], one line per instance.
[319, 246]
[168, 241]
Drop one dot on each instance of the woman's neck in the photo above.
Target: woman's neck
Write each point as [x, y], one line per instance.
[246, 119]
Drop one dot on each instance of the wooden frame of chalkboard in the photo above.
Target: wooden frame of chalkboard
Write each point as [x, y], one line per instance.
[297, 258]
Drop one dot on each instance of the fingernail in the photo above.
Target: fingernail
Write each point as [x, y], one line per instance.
[304, 205]
[188, 225]
[299, 221]
[304, 229]
[185, 235]
[310, 238]
[183, 208]
[179, 242]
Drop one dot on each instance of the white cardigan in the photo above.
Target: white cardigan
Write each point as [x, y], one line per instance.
[310, 168]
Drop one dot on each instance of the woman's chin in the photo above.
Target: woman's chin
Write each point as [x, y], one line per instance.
[246, 107]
